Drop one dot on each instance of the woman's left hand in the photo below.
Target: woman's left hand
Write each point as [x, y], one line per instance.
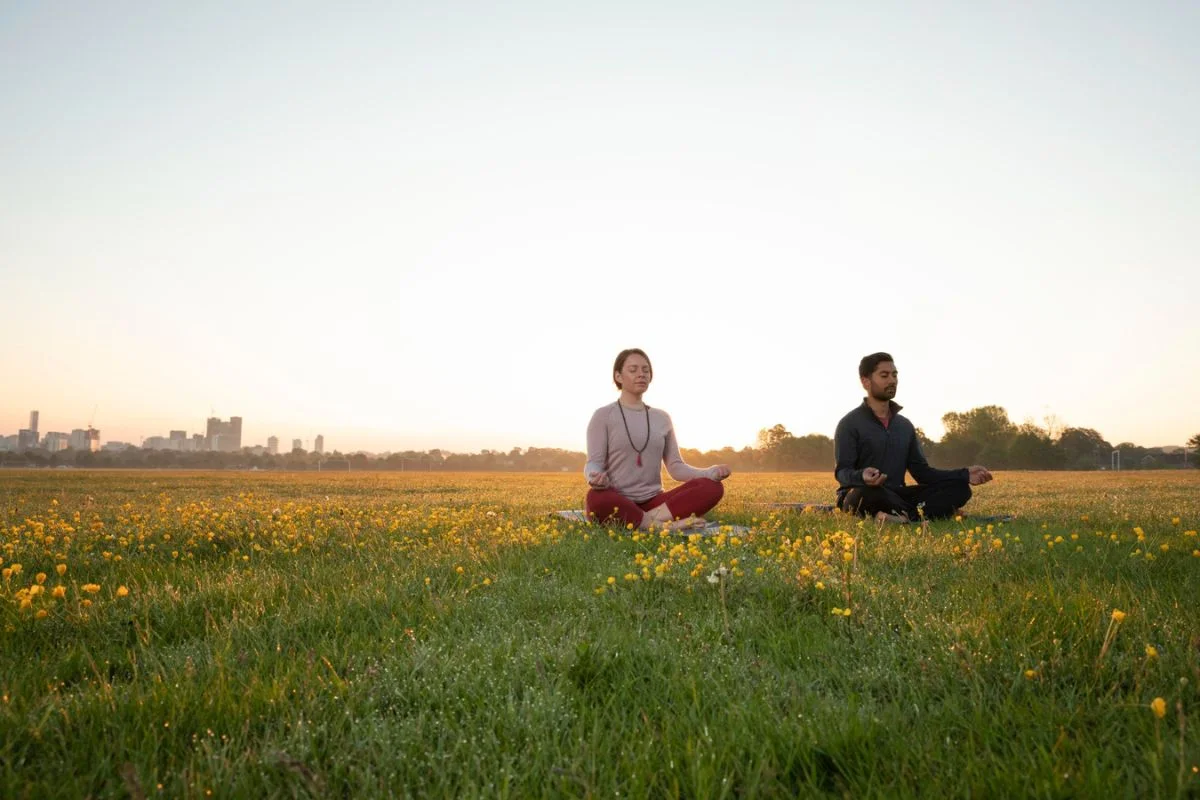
[721, 472]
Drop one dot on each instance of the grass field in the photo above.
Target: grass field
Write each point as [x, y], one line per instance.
[214, 634]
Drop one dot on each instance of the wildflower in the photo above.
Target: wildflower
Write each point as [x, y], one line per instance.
[41, 614]
[820, 585]
[847, 556]
[91, 588]
[1118, 615]
[60, 592]
[40, 578]
[1159, 707]
[1030, 674]
[611, 580]
[1151, 651]
[122, 591]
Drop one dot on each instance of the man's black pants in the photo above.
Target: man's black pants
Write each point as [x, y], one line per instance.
[941, 499]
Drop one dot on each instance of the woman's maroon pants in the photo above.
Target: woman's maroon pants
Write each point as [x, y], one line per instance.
[697, 496]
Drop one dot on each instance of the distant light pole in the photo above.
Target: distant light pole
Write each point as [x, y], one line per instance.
[1114, 460]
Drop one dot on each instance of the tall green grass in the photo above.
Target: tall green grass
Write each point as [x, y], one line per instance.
[373, 667]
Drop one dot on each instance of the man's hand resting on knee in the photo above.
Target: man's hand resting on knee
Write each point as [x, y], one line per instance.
[977, 475]
[873, 477]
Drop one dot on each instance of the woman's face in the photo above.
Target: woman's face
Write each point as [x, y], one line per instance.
[635, 374]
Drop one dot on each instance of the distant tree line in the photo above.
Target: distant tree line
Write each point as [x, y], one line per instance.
[983, 435]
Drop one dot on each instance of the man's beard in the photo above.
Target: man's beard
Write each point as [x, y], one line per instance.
[886, 393]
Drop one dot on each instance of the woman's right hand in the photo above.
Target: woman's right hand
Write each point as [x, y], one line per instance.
[599, 480]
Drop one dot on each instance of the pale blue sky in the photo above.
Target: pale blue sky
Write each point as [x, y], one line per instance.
[419, 225]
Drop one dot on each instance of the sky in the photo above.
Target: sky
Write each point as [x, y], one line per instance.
[409, 225]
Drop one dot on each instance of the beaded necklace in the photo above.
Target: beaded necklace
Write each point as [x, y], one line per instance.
[636, 449]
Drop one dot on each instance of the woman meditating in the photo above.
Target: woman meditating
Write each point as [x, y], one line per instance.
[627, 440]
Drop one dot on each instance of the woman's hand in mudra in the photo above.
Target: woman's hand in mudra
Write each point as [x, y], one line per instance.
[599, 480]
[721, 472]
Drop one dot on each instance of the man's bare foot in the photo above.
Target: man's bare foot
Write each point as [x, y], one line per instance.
[899, 519]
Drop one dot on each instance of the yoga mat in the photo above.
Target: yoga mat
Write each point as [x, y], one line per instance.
[713, 527]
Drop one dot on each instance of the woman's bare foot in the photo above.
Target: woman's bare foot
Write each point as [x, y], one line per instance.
[686, 524]
[899, 519]
[657, 517]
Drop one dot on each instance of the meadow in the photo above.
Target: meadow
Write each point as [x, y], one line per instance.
[192, 634]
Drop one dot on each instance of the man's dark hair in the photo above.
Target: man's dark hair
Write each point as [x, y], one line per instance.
[869, 363]
[619, 364]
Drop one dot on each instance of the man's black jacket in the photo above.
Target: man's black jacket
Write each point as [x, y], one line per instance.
[862, 441]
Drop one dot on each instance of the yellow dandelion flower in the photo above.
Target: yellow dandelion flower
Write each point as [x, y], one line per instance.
[1151, 651]
[459, 570]
[40, 577]
[61, 569]
[41, 614]
[1159, 707]
[1118, 615]
[122, 591]
[59, 592]
[85, 603]
[91, 588]
[820, 585]
[611, 580]
[847, 556]
[1030, 674]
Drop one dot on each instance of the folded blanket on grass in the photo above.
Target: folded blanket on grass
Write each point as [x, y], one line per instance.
[713, 527]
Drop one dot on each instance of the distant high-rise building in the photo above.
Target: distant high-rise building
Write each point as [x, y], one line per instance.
[8, 443]
[56, 442]
[273, 445]
[319, 445]
[33, 421]
[224, 436]
[26, 440]
[297, 444]
[178, 435]
[85, 440]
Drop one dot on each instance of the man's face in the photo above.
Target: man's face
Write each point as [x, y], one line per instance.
[881, 384]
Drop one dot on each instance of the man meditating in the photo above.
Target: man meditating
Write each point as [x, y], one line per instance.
[874, 445]
[627, 444]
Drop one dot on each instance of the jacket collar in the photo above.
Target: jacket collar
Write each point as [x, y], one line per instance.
[893, 408]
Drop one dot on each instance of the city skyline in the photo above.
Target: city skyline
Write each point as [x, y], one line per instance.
[437, 229]
[90, 438]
